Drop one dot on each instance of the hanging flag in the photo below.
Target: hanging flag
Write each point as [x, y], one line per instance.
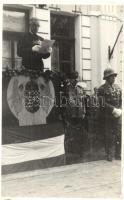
[32, 134]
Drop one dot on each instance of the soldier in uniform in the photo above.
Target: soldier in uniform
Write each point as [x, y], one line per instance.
[74, 125]
[110, 105]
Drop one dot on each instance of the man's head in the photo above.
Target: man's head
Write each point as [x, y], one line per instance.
[34, 25]
[74, 75]
[109, 75]
[81, 86]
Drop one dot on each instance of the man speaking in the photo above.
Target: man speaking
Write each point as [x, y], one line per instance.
[29, 48]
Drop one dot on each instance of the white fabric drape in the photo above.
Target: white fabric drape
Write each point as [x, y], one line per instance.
[40, 149]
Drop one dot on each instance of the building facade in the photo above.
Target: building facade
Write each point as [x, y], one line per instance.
[83, 34]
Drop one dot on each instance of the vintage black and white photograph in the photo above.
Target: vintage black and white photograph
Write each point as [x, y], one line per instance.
[62, 100]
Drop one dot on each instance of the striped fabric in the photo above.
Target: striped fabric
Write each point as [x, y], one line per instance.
[31, 146]
[33, 155]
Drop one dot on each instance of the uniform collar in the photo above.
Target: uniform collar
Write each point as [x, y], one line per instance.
[109, 86]
[107, 83]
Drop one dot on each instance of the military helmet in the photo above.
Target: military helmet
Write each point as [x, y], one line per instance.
[108, 72]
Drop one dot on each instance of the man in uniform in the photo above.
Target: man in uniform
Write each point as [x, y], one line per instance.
[110, 104]
[74, 122]
[29, 48]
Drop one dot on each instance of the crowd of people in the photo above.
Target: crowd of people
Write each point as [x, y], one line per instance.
[75, 108]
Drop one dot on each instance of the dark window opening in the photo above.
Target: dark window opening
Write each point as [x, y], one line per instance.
[62, 31]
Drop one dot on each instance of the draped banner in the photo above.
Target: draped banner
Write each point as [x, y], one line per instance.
[41, 150]
[32, 134]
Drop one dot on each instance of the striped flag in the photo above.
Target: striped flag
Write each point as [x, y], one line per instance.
[30, 140]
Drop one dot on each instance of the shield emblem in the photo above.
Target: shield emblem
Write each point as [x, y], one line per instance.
[30, 100]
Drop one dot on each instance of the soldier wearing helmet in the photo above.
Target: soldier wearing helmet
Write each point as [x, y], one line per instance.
[110, 100]
[28, 48]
